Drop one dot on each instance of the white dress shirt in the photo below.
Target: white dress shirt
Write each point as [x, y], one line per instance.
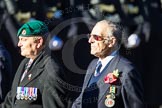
[106, 60]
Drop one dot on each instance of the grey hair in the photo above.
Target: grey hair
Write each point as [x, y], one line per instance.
[117, 30]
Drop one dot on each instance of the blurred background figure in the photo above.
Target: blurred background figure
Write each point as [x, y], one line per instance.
[8, 29]
[6, 74]
[107, 9]
[136, 33]
[153, 54]
[29, 9]
[55, 43]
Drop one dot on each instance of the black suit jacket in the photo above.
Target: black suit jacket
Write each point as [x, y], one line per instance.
[129, 90]
[47, 77]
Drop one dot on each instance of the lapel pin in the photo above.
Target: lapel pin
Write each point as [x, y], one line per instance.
[29, 76]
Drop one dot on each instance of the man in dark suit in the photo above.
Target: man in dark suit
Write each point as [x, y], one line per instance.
[111, 81]
[39, 80]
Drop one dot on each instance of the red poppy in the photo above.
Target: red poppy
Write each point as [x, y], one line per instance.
[110, 78]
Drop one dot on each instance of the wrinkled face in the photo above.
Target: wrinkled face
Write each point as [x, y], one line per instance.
[100, 40]
[29, 46]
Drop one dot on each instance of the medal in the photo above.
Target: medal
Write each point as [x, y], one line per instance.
[18, 93]
[110, 98]
[30, 93]
[22, 93]
[109, 102]
[26, 93]
[34, 93]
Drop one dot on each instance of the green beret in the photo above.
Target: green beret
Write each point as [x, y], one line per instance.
[33, 28]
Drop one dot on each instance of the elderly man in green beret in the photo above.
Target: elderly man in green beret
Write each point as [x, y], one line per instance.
[38, 82]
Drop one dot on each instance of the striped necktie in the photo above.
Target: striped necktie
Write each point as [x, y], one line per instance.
[26, 69]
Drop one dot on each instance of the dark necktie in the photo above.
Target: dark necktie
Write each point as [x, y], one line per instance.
[98, 68]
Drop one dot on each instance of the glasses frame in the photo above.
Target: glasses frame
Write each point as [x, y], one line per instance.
[96, 37]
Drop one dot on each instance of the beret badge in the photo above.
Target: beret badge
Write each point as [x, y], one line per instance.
[23, 32]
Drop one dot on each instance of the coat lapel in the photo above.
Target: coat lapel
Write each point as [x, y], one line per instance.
[18, 76]
[19, 73]
[89, 73]
[109, 68]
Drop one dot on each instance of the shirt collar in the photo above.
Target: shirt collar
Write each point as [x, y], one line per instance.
[106, 60]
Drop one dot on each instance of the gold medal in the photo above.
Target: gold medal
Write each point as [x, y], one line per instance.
[109, 102]
[25, 97]
[26, 93]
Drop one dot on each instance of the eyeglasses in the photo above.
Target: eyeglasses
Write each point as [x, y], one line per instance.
[96, 37]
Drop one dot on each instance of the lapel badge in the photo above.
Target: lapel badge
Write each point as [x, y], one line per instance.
[109, 102]
[29, 76]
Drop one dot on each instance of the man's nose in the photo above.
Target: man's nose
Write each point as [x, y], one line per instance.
[90, 39]
[19, 44]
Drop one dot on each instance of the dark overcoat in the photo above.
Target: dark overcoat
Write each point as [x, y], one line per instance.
[129, 90]
[45, 75]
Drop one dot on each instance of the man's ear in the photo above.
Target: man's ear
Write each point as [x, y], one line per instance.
[39, 42]
[111, 42]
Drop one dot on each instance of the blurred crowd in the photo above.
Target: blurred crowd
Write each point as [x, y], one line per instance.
[70, 21]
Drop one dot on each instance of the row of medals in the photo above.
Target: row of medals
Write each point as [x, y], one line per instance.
[26, 93]
[110, 98]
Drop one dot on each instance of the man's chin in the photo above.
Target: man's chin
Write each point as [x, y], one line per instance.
[22, 54]
[93, 53]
